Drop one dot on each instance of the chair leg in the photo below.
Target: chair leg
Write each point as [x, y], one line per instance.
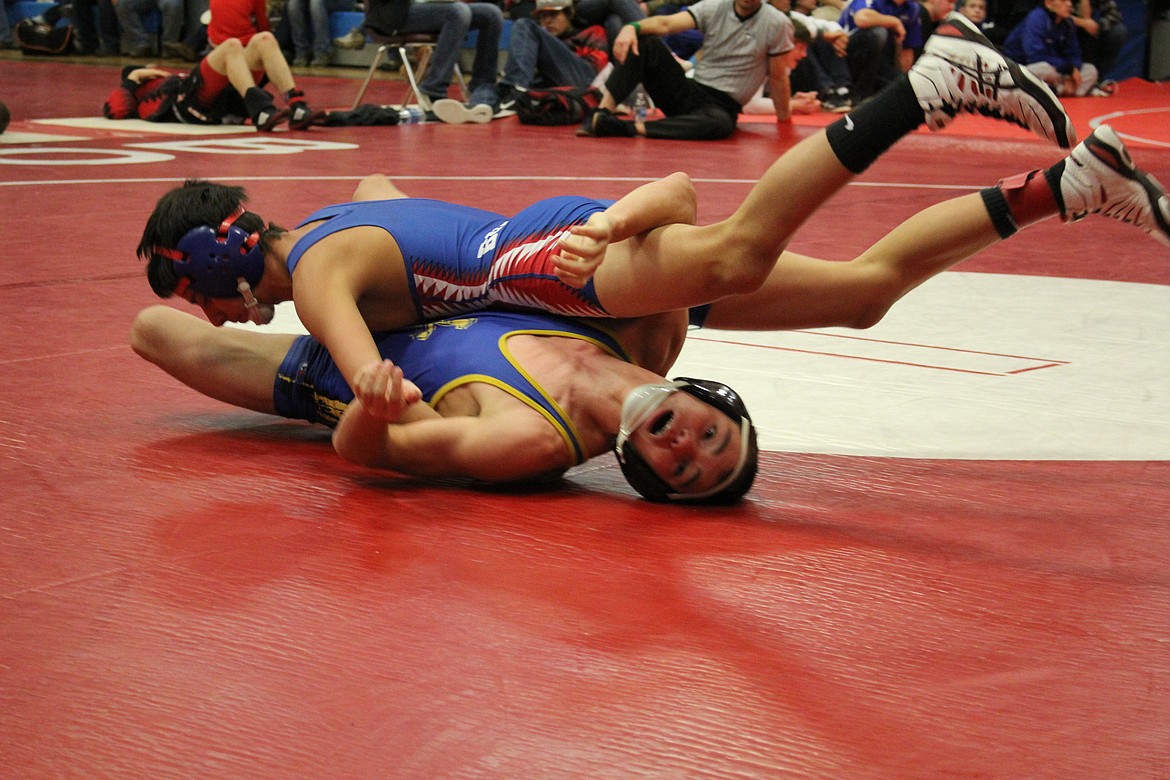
[416, 73]
[462, 83]
[369, 76]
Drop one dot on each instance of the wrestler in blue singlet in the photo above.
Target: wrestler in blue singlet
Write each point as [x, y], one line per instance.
[462, 259]
[438, 357]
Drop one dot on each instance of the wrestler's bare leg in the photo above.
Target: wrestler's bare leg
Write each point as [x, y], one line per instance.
[377, 187]
[805, 292]
[232, 365]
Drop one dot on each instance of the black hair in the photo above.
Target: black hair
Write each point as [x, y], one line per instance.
[198, 202]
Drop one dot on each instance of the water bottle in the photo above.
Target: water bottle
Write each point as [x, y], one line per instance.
[641, 104]
[411, 115]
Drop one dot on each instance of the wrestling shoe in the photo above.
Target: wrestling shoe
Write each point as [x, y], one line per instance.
[1099, 177]
[303, 117]
[267, 119]
[265, 116]
[961, 71]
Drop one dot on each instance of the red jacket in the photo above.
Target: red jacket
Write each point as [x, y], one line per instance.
[237, 19]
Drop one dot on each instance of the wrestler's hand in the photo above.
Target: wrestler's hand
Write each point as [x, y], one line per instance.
[582, 250]
[383, 391]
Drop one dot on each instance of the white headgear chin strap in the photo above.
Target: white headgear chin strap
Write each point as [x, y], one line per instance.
[258, 313]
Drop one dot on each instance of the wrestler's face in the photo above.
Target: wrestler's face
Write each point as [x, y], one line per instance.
[747, 7]
[221, 310]
[690, 445]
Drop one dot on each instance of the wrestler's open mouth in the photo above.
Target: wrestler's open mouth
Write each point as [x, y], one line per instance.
[661, 422]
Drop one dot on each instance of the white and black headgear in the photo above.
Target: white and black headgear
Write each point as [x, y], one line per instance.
[641, 403]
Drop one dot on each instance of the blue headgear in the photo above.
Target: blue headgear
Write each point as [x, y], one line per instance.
[638, 472]
[212, 260]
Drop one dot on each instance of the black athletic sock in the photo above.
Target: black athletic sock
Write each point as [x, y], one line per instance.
[863, 135]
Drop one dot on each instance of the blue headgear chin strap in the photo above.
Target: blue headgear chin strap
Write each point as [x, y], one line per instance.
[213, 260]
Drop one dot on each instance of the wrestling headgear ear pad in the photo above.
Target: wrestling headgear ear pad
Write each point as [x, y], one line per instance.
[214, 259]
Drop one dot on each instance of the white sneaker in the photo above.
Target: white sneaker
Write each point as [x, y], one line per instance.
[961, 71]
[453, 112]
[1099, 177]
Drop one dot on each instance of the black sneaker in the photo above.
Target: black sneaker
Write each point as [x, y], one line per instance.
[837, 103]
[302, 117]
[508, 94]
[601, 123]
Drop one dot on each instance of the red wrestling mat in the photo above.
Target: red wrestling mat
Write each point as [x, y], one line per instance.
[1140, 110]
[240, 604]
[193, 591]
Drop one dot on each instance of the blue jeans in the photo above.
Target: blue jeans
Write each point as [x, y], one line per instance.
[130, 13]
[318, 41]
[452, 21]
[536, 57]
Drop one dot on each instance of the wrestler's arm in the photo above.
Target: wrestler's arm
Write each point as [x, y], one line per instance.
[499, 448]
[665, 201]
[326, 292]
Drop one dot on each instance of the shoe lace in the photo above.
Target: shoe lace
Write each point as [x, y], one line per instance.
[980, 92]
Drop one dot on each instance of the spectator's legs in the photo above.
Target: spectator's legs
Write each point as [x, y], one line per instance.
[655, 67]
[1089, 78]
[6, 40]
[488, 21]
[1048, 74]
[84, 23]
[297, 14]
[1102, 50]
[702, 123]
[319, 11]
[451, 21]
[108, 32]
[611, 14]
[536, 56]
[871, 61]
[836, 68]
[691, 112]
[523, 53]
[129, 17]
[171, 12]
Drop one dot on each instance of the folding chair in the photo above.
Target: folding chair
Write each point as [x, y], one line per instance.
[420, 44]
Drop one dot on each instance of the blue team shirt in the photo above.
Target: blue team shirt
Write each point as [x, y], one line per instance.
[909, 13]
[1040, 38]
